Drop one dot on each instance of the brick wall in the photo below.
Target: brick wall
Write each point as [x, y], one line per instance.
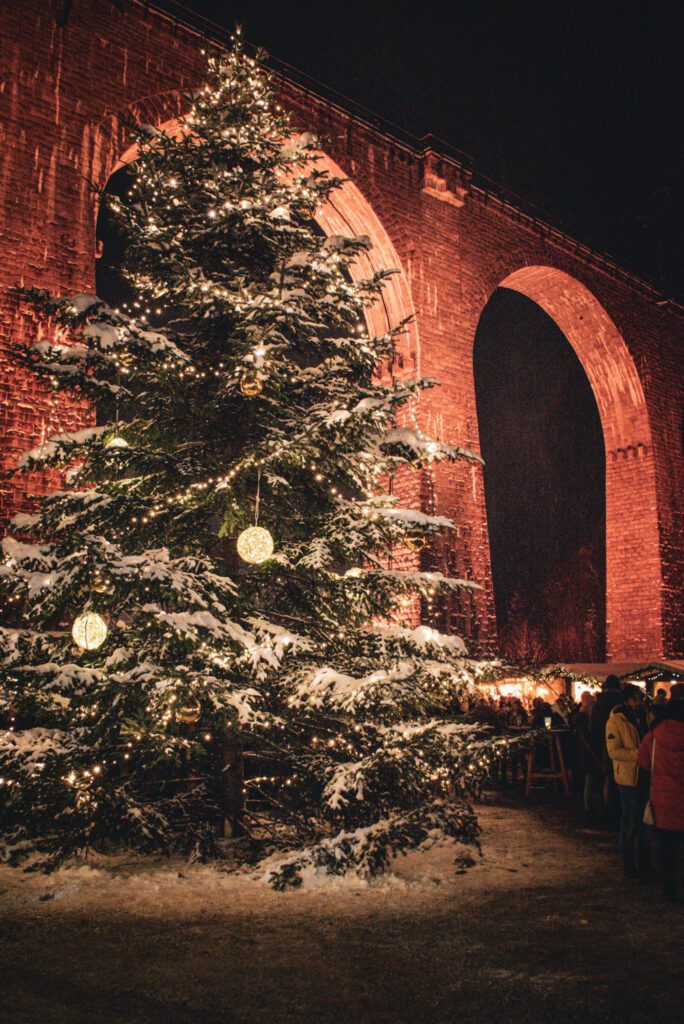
[65, 97]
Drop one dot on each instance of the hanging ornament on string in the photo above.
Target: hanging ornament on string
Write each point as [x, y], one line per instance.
[251, 383]
[89, 631]
[116, 441]
[97, 582]
[415, 541]
[255, 544]
[124, 360]
[189, 713]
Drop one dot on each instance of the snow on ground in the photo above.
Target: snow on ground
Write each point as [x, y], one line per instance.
[516, 854]
[544, 929]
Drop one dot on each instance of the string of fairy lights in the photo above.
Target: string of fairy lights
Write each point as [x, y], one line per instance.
[255, 544]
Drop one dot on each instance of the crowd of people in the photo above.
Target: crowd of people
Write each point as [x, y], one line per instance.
[625, 755]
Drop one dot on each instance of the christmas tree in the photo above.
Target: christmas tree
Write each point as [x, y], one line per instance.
[206, 622]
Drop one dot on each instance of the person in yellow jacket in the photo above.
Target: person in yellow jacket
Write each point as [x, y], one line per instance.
[624, 731]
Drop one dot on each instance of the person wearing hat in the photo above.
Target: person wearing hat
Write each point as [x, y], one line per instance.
[624, 732]
[663, 748]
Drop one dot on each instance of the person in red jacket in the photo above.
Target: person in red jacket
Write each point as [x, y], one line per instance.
[667, 783]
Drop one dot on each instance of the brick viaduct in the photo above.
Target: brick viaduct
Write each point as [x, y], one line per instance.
[73, 76]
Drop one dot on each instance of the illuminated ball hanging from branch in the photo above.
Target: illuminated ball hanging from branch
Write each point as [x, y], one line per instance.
[190, 713]
[89, 631]
[255, 545]
[117, 442]
[97, 581]
[251, 384]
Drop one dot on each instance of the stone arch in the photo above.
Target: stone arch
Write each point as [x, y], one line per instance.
[347, 213]
[633, 565]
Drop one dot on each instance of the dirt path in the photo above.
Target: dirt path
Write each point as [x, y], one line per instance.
[544, 929]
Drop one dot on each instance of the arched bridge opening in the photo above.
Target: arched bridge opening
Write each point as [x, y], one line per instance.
[544, 478]
[633, 582]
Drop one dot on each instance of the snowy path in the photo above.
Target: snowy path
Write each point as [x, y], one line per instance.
[541, 929]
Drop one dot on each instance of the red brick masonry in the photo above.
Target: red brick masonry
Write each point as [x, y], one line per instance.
[66, 93]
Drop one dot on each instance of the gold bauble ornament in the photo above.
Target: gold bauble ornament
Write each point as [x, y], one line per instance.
[117, 442]
[89, 631]
[414, 542]
[255, 545]
[98, 583]
[251, 383]
[189, 714]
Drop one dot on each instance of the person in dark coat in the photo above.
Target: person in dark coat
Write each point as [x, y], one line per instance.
[609, 698]
[663, 747]
[518, 716]
[590, 762]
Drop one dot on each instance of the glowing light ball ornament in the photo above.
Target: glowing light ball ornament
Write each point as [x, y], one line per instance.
[89, 631]
[117, 442]
[255, 545]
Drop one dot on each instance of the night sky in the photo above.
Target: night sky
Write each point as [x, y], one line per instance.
[575, 106]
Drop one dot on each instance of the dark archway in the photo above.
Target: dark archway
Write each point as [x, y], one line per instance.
[110, 284]
[542, 441]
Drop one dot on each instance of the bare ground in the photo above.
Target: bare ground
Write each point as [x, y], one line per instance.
[543, 929]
